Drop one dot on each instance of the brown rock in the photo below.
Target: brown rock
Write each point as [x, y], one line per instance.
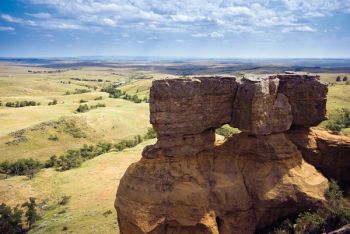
[245, 183]
[186, 145]
[307, 96]
[329, 153]
[190, 106]
[185, 112]
[258, 108]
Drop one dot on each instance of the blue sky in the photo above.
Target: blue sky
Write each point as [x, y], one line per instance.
[181, 28]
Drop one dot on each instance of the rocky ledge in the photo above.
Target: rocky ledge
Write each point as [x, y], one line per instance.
[188, 183]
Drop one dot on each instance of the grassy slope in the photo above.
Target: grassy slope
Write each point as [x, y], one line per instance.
[139, 87]
[338, 96]
[92, 188]
[118, 120]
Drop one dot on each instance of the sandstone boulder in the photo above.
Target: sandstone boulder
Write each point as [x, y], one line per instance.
[185, 112]
[329, 153]
[258, 108]
[190, 106]
[307, 96]
[243, 184]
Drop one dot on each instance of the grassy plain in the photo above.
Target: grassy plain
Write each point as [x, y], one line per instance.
[91, 189]
[120, 119]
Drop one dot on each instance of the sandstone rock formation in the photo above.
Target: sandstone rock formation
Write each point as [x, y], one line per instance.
[259, 109]
[187, 184]
[329, 153]
[307, 96]
[241, 185]
[185, 112]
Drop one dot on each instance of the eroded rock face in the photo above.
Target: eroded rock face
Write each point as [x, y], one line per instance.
[307, 96]
[329, 153]
[258, 108]
[184, 113]
[245, 183]
[186, 184]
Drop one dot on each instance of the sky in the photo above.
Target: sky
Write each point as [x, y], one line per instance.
[176, 28]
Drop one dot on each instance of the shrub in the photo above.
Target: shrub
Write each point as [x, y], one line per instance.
[345, 78]
[82, 101]
[226, 131]
[98, 98]
[338, 79]
[68, 161]
[22, 104]
[334, 192]
[150, 134]
[73, 130]
[53, 138]
[310, 223]
[54, 102]
[339, 120]
[31, 213]
[21, 167]
[10, 219]
[82, 108]
[113, 93]
[51, 162]
[79, 91]
[106, 213]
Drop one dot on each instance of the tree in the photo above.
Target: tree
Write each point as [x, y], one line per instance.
[31, 214]
[338, 79]
[345, 78]
[10, 219]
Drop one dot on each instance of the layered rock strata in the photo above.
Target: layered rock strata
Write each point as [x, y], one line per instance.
[185, 112]
[241, 185]
[258, 107]
[329, 153]
[187, 184]
[307, 96]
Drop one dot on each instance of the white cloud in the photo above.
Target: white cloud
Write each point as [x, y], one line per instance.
[108, 22]
[6, 28]
[10, 19]
[195, 17]
[41, 15]
[304, 28]
[212, 35]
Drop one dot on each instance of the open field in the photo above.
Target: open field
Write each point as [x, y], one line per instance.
[120, 118]
[28, 131]
[91, 188]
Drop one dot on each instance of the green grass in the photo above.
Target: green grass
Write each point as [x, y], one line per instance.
[118, 120]
[139, 87]
[92, 189]
[338, 97]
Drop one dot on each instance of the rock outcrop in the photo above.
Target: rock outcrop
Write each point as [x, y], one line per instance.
[307, 96]
[259, 108]
[187, 183]
[185, 112]
[329, 153]
[243, 184]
